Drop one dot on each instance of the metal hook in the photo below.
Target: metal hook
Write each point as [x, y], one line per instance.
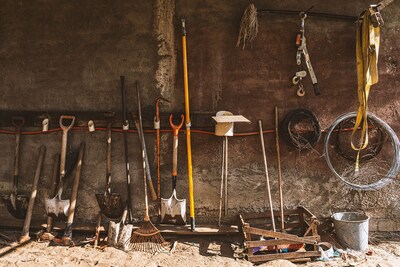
[158, 100]
[301, 92]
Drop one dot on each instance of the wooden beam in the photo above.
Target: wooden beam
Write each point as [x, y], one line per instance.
[285, 256]
[272, 242]
[307, 240]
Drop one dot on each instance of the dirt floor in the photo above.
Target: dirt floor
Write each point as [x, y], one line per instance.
[189, 251]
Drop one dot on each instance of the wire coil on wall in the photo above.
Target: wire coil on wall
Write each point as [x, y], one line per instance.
[301, 129]
[395, 164]
[376, 138]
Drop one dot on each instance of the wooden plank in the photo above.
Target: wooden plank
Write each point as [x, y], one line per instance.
[230, 118]
[272, 242]
[306, 240]
[300, 260]
[285, 256]
[301, 218]
[306, 212]
[279, 235]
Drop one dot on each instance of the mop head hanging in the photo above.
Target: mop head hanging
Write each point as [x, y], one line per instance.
[147, 238]
[248, 26]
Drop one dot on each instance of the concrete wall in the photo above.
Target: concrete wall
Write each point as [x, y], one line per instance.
[68, 56]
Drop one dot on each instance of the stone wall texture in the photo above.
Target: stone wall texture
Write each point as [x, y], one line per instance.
[67, 56]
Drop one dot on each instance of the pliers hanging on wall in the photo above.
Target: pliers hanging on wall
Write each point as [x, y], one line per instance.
[302, 50]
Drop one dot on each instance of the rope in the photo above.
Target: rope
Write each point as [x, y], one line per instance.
[248, 26]
[395, 165]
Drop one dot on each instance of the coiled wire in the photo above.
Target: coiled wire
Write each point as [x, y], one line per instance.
[395, 166]
[309, 129]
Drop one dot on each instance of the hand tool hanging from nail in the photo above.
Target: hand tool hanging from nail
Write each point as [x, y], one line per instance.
[302, 50]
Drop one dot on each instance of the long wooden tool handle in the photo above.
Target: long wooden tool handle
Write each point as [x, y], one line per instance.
[278, 157]
[146, 162]
[17, 122]
[74, 194]
[28, 217]
[175, 131]
[144, 150]
[108, 164]
[64, 141]
[125, 129]
[145, 178]
[174, 162]
[222, 182]
[226, 176]
[266, 175]
[56, 165]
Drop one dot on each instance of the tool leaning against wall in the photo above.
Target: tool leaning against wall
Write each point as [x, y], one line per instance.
[158, 154]
[173, 210]
[110, 203]
[16, 204]
[147, 237]
[188, 125]
[224, 127]
[57, 207]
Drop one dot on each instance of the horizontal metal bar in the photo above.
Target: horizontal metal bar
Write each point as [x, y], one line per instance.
[311, 14]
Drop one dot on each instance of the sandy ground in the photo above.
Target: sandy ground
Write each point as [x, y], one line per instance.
[190, 251]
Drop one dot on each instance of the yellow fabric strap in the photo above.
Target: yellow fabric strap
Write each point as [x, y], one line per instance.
[367, 50]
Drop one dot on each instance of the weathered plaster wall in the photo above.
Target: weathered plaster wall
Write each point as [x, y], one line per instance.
[69, 56]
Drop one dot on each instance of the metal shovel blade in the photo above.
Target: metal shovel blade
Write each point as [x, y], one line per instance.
[17, 205]
[124, 237]
[173, 210]
[57, 208]
[113, 233]
[110, 205]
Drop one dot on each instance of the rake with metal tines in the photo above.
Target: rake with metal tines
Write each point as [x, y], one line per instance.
[147, 237]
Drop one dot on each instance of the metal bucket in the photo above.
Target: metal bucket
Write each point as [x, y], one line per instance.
[351, 229]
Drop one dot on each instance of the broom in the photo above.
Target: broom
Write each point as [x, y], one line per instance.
[248, 26]
[146, 238]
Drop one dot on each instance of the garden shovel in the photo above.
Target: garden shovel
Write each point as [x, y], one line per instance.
[16, 204]
[110, 203]
[57, 207]
[173, 210]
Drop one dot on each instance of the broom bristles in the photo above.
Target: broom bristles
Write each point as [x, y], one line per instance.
[147, 238]
[248, 26]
